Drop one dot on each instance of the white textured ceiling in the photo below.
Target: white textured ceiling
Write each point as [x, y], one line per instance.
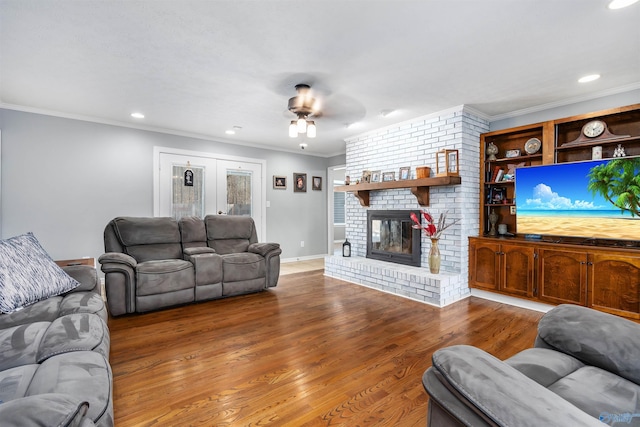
[201, 67]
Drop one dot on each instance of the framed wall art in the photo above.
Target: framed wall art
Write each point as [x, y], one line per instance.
[388, 176]
[405, 173]
[299, 182]
[280, 182]
[316, 183]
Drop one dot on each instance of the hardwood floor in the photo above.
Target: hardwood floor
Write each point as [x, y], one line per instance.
[314, 351]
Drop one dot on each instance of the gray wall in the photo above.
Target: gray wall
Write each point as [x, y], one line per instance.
[65, 179]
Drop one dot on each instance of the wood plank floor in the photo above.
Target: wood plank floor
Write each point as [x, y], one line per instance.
[314, 351]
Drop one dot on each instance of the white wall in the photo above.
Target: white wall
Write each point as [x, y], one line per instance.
[65, 179]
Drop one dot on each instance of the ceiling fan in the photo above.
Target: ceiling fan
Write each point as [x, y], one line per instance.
[303, 105]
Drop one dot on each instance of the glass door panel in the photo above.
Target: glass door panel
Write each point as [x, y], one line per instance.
[187, 191]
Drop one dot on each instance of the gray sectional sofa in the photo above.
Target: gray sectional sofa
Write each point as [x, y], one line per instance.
[153, 263]
[584, 370]
[54, 368]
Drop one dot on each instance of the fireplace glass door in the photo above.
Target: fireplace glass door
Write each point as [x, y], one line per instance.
[390, 237]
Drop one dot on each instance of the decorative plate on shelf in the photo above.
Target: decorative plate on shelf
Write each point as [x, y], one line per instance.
[532, 146]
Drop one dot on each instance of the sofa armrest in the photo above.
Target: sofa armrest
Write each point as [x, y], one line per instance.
[49, 409]
[497, 392]
[197, 251]
[119, 282]
[595, 338]
[117, 258]
[86, 275]
[264, 248]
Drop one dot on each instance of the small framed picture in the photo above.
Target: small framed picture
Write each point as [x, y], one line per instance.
[280, 182]
[366, 176]
[498, 195]
[388, 176]
[405, 172]
[299, 182]
[512, 153]
[316, 183]
[375, 176]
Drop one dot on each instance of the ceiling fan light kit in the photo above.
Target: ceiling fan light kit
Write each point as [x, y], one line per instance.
[303, 106]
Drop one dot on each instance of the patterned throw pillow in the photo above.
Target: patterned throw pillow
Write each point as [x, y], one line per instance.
[28, 274]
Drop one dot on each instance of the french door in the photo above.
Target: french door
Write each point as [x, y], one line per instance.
[200, 184]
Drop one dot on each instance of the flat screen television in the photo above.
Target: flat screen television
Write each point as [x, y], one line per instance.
[596, 199]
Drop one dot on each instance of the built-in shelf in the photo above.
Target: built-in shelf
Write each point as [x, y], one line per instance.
[419, 187]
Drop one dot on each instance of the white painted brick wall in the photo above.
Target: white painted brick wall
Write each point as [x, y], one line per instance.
[415, 143]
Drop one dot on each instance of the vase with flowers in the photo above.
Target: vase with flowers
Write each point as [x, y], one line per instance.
[433, 230]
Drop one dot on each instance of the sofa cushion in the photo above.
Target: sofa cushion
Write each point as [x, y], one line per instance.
[74, 332]
[19, 345]
[594, 338]
[52, 409]
[147, 239]
[84, 375]
[544, 366]
[14, 382]
[600, 393]
[157, 277]
[28, 274]
[242, 266]
[50, 309]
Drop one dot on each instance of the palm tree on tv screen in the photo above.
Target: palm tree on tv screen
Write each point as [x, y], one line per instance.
[618, 181]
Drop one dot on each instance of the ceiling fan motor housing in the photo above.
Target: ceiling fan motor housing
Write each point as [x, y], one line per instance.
[303, 103]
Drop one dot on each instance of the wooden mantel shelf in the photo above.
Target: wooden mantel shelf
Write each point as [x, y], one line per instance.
[419, 187]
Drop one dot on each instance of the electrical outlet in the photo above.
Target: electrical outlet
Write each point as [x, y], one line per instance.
[302, 243]
[513, 210]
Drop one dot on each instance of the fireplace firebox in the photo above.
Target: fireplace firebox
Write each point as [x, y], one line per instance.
[390, 237]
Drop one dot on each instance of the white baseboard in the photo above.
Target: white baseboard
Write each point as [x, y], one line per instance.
[302, 258]
[518, 302]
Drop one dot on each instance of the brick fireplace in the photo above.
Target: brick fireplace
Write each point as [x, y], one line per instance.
[415, 143]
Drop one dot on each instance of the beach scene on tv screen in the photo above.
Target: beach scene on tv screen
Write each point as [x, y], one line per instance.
[593, 199]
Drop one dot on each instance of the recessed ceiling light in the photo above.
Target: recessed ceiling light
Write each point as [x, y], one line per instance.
[589, 78]
[619, 4]
[233, 130]
[137, 115]
[387, 113]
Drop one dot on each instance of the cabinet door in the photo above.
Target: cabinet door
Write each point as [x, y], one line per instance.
[614, 284]
[562, 276]
[517, 267]
[484, 265]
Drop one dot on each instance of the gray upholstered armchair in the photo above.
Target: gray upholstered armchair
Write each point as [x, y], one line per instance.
[152, 263]
[582, 371]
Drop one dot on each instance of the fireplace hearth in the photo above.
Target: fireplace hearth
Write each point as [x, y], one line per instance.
[391, 238]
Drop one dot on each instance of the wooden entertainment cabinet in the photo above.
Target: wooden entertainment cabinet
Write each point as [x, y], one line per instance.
[598, 273]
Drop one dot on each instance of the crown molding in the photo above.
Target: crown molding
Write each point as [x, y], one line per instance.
[167, 131]
[565, 102]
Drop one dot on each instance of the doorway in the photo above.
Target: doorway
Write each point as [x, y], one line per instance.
[336, 210]
[190, 183]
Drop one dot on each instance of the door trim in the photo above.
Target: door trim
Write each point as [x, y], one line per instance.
[331, 171]
[157, 151]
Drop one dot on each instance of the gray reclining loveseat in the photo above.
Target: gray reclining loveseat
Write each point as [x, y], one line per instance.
[152, 263]
[584, 370]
